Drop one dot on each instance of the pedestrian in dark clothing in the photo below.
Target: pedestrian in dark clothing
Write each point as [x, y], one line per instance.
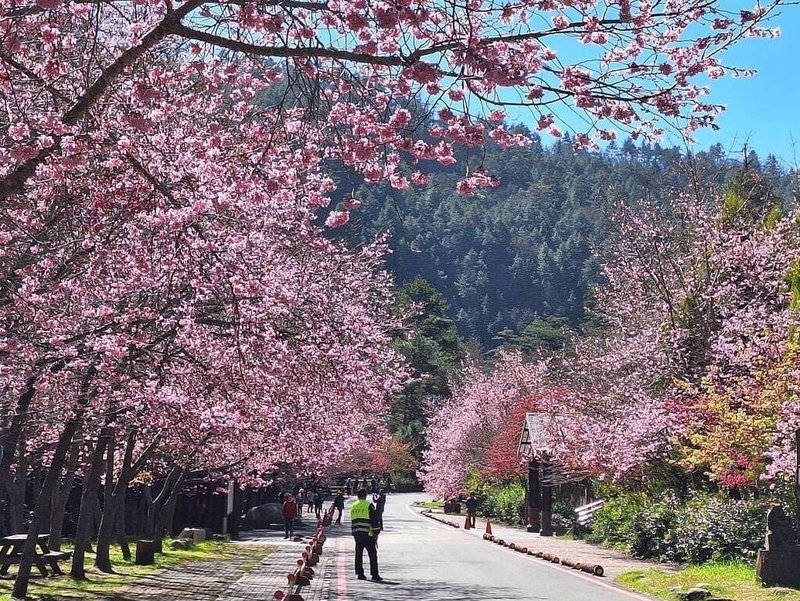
[338, 503]
[365, 532]
[319, 501]
[380, 505]
[472, 508]
[289, 515]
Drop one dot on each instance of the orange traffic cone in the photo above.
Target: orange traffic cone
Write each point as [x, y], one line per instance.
[488, 526]
[467, 523]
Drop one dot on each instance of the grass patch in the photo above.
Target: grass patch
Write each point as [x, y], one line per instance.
[734, 580]
[98, 585]
[430, 504]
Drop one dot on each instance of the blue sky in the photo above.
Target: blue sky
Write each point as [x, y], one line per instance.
[764, 110]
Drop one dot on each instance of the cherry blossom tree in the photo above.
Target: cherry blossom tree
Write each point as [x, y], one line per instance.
[698, 306]
[165, 289]
[694, 362]
[462, 430]
[192, 307]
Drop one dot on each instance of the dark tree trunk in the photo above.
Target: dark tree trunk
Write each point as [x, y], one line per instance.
[110, 501]
[115, 501]
[797, 474]
[9, 436]
[61, 497]
[16, 494]
[534, 497]
[150, 516]
[155, 505]
[122, 534]
[42, 509]
[166, 512]
[91, 484]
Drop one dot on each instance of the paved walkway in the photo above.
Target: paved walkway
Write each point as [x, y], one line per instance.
[235, 576]
[614, 562]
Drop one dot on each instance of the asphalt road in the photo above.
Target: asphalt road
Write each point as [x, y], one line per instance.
[421, 559]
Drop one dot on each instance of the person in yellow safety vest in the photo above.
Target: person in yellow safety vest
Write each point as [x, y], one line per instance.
[365, 532]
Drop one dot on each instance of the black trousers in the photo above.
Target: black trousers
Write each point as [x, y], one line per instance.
[365, 541]
[288, 526]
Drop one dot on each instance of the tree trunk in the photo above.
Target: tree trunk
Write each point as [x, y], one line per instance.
[797, 475]
[110, 500]
[42, 509]
[61, 497]
[165, 518]
[91, 484]
[115, 500]
[122, 534]
[9, 437]
[150, 516]
[16, 494]
[155, 521]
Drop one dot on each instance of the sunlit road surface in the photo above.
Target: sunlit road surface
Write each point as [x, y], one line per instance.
[421, 559]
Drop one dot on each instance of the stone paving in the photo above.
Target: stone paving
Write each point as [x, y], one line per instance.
[261, 582]
[238, 576]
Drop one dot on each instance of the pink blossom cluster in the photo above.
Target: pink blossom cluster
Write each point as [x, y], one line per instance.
[696, 362]
[164, 276]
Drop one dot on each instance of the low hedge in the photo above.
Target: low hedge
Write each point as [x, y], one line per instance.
[700, 528]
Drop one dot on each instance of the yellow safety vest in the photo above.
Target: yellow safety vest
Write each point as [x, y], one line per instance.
[359, 518]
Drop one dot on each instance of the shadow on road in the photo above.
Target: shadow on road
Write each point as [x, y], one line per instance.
[397, 590]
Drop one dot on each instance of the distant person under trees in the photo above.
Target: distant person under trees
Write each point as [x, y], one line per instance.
[472, 509]
[319, 501]
[289, 514]
[338, 503]
[380, 504]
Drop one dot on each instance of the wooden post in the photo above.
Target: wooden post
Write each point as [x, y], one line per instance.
[534, 505]
[234, 524]
[547, 502]
[145, 552]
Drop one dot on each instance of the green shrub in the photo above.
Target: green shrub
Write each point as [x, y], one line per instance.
[715, 528]
[613, 524]
[563, 516]
[654, 529]
[703, 527]
[506, 503]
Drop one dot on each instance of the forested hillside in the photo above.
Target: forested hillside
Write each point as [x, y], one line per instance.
[510, 256]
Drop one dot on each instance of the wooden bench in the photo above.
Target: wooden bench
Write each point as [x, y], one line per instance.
[11, 548]
[584, 515]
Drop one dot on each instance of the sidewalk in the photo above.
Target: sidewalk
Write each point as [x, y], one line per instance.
[614, 562]
[237, 577]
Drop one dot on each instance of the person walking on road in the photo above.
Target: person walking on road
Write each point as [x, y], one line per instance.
[472, 509]
[289, 514]
[319, 501]
[365, 532]
[338, 503]
[380, 505]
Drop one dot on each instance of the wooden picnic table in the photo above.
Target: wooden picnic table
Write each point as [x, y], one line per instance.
[11, 552]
